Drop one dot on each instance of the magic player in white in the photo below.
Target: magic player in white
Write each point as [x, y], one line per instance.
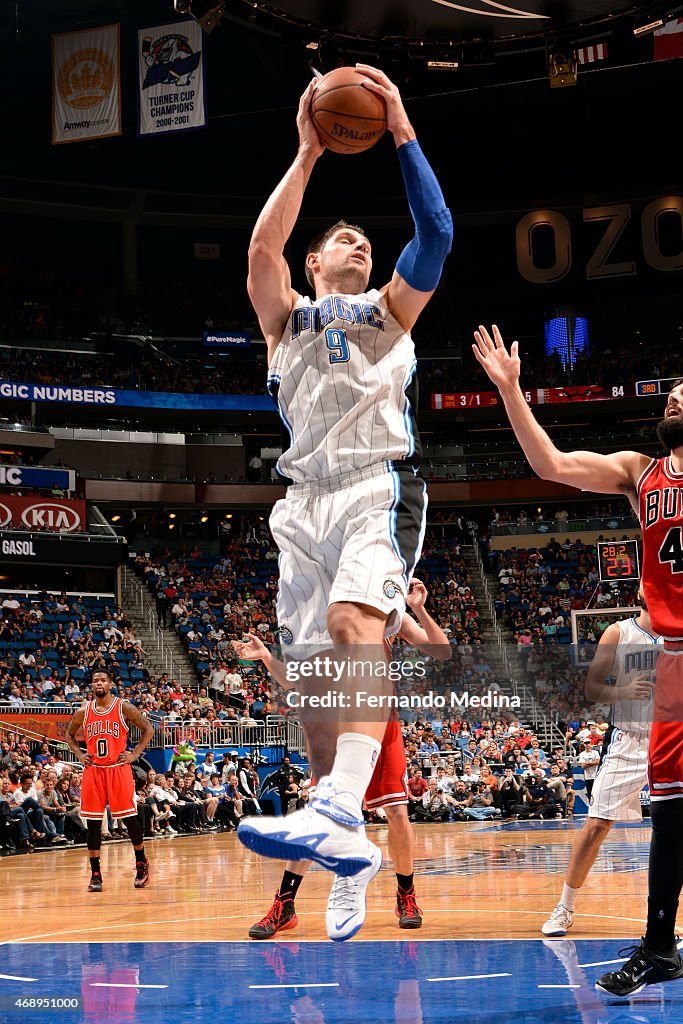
[627, 650]
[342, 371]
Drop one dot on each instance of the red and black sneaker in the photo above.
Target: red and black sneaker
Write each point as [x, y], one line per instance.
[95, 882]
[141, 874]
[407, 911]
[280, 918]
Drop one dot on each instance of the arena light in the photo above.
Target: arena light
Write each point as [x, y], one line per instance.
[650, 26]
[115, 519]
[561, 70]
[207, 13]
[566, 336]
[171, 515]
[204, 519]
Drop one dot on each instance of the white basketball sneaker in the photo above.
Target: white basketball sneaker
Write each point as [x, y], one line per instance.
[347, 905]
[329, 831]
[559, 922]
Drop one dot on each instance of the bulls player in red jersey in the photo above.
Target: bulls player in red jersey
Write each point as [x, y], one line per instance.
[387, 790]
[655, 489]
[107, 772]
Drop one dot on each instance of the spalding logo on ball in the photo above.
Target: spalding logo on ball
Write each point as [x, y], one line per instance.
[347, 117]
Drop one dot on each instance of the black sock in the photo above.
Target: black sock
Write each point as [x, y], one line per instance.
[666, 874]
[140, 855]
[289, 886]
[405, 882]
[95, 866]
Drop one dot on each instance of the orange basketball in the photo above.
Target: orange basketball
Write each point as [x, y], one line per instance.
[347, 116]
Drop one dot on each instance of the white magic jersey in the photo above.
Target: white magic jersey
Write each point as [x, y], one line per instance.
[636, 654]
[343, 378]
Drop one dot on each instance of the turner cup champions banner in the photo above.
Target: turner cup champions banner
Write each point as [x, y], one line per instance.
[86, 84]
[171, 78]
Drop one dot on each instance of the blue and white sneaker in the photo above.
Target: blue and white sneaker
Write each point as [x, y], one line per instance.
[347, 904]
[330, 832]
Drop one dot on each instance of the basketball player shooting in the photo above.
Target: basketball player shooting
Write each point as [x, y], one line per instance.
[628, 651]
[107, 772]
[342, 372]
[653, 486]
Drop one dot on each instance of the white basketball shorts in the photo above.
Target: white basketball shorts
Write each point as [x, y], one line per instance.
[354, 538]
[621, 776]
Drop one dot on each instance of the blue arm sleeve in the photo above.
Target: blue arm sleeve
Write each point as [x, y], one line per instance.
[421, 262]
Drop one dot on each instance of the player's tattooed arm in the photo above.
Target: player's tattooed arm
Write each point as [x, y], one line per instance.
[72, 731]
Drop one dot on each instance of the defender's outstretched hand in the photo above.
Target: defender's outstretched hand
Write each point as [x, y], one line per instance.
[309, 140]
[252, 648]
[417, 595]
[501, 366]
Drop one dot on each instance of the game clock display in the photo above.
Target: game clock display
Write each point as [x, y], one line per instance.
[618, 561]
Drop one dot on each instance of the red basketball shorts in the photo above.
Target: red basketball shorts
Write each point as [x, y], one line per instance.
[665, 768]
[114, 786]
[389, 783]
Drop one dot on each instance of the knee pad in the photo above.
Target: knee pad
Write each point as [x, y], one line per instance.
[135, 832]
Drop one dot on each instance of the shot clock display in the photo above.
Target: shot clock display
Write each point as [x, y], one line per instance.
[618, 561]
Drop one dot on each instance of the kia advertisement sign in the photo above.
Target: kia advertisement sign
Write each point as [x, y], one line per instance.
[53, 515]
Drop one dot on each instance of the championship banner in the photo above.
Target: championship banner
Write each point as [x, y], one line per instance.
[55, 514]
[171, 78]
[86, 84]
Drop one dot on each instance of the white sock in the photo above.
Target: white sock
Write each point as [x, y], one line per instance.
[355, 762]
[569, 895]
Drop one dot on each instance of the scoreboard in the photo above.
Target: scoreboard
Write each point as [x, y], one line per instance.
[534, 396]
[618, 561]
[554, 395]
[648, 388]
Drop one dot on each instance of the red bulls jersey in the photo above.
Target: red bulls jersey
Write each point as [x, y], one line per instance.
[106, 732]
[660, 497]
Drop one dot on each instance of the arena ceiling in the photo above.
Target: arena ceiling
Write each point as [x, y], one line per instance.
[614, 128]
[437, 23]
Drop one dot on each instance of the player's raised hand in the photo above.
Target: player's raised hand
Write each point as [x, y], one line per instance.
[381, 85]
[253, 648]
[309, 140]
[490, 352]
[417, 595]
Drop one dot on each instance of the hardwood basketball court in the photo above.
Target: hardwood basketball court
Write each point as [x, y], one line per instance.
[178, 950]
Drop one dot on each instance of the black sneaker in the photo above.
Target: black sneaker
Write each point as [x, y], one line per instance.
[407, 911]
[643, 968]
[95, 882]
[280, 918]
[142, 875]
